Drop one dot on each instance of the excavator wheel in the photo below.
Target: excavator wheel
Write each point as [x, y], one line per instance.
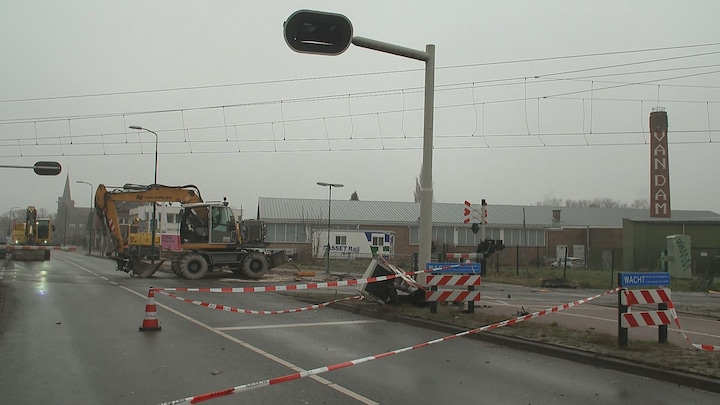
[254, 266]
[193, 266]
[175, 267]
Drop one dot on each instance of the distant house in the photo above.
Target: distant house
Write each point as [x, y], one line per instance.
[530, 233]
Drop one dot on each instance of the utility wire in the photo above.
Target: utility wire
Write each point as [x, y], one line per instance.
[295, 80]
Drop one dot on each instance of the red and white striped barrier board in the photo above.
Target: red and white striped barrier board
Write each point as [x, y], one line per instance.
[453, 279]
[638, 297]
[27, 247]
[255, 312]
[461, 255]
[452, 296]
[320, 370]
[646, 318]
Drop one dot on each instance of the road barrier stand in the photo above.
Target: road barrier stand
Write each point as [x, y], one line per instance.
[452, 295]
[453, 275]
[627, 298]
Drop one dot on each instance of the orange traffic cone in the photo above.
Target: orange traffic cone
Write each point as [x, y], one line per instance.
[150, 323]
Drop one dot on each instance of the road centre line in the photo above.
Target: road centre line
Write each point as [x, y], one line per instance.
[233, 339]
[297, 325]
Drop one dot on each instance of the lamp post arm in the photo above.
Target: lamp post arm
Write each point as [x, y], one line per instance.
[393, 49]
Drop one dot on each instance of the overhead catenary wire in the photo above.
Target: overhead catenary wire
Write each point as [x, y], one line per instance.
[281, 81]
[544, 78]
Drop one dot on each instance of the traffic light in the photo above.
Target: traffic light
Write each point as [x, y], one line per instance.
[47, 168]
[475, 227]
[318, 32]
[490, 246]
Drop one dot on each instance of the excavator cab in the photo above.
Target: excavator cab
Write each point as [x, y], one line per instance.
[208, 223]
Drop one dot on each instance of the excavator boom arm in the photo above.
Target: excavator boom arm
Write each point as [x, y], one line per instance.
[106, 203]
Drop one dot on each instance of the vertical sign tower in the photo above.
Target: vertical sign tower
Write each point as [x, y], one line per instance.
[659, 164]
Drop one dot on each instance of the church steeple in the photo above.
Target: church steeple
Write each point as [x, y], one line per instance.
[66, 197]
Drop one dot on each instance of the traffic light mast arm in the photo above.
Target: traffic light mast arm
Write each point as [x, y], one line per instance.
[390, 48]
[40, 168]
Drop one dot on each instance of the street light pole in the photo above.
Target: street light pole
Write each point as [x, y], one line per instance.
[327, 250]
[152, 223]
[92, 218]
[426, 186]
[317, 32]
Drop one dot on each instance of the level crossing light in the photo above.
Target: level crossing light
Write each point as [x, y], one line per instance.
[152, 223]
[92, 218]
[327, 251]
[322, 33]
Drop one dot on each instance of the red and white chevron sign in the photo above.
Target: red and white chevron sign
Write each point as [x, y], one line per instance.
[452, 296]
[471, 213]
[455, 279]
[638, 297]
[647, 318]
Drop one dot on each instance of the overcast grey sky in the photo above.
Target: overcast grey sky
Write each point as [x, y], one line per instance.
[534, 99]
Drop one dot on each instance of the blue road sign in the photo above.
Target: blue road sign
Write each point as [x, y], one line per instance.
[644, 279]
[454, 268]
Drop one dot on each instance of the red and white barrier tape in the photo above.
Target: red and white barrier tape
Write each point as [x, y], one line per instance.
[320, 370]
[290, 287]
[254, 312]
[706, 347]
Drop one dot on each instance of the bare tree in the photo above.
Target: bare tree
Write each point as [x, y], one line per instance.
[354, 196]
[594, 203]
[640, 203]
[550, 202]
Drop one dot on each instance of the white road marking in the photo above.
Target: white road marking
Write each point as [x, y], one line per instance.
[246, 345]
[297, 325]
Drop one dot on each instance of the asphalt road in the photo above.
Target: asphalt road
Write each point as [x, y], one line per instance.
[69, 334]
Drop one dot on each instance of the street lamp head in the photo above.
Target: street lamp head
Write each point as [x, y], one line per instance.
[137, 127]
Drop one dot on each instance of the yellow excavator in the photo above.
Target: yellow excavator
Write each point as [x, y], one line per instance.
[31, 237]
[210, 236]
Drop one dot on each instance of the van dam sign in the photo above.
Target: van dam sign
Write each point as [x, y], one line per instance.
[659, 166]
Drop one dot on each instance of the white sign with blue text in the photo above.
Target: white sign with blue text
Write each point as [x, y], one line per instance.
[644, 279]
[453, 268]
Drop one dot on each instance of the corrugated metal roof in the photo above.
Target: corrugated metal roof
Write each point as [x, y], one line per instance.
[273, 209]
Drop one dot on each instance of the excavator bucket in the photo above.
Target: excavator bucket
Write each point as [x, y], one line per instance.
[143, 269]
[278, 259]
[137, 267]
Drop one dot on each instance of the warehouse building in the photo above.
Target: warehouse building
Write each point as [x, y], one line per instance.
[609, 238]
